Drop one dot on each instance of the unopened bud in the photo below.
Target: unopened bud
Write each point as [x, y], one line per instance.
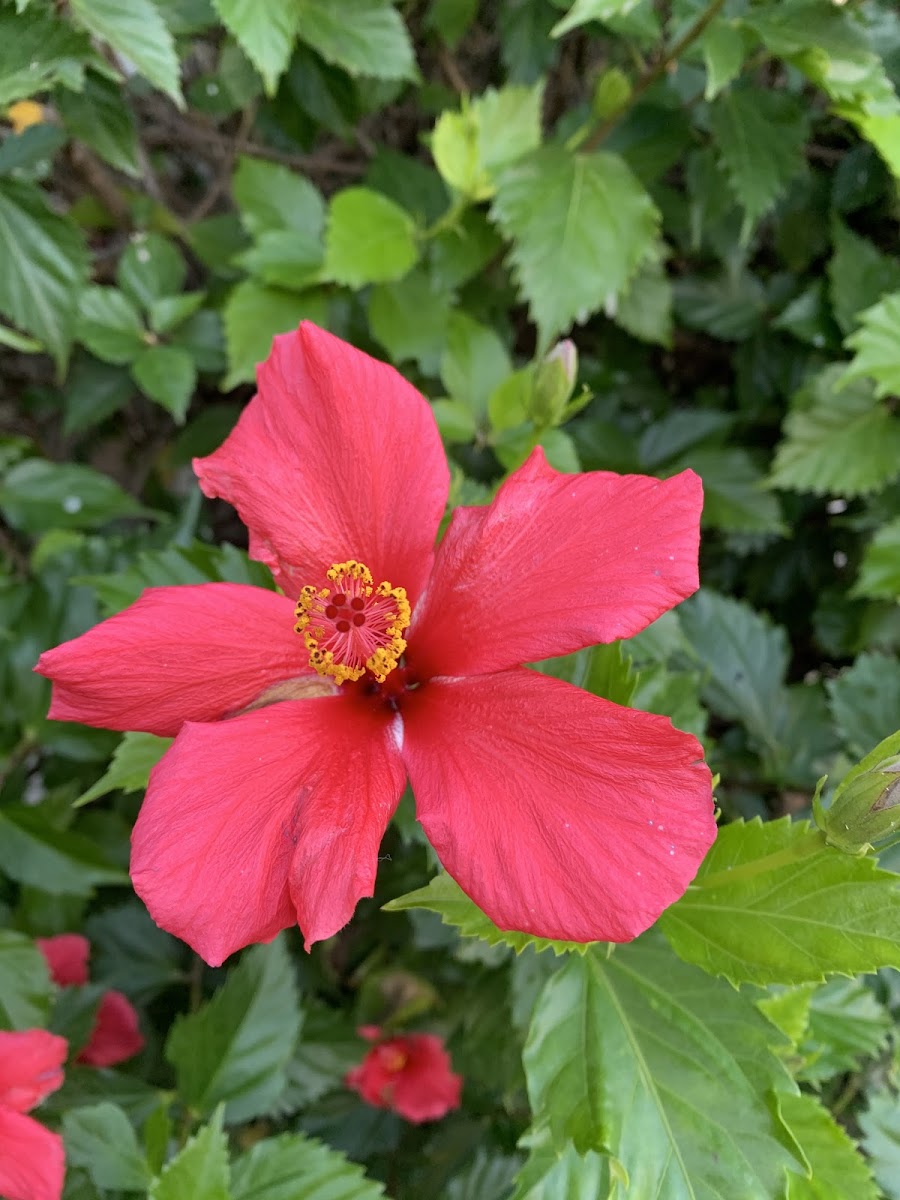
[866, 804]
[554, 382]
[611, 94]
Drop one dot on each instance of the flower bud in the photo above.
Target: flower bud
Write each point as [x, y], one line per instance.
[866, 804]
[554, 382]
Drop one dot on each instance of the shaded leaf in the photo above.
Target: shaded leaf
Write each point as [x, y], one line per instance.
[136, 30]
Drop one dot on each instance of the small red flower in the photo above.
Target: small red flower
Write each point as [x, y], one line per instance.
[409, 1074]
[298, 717]
[115, 1035]
[32, 1161]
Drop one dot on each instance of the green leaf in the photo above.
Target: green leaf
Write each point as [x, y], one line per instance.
[665, 1069]
[760, 136]
[846, 1025]
[734, 493]
[110, 325]
[746, 657]
[131, 953]
[56, 861]
[234, 1050]
[879, 571]
[97, 116]
[101, 1139]
[136, 30]
[838, 439]
[200, 1170]
[472, 147]
[285, 258]
[132, 761]
[36, 495]
[723, 53]
[773, 903]
[865, 701]
[877, 346]
[485, 1177]
[272, 198]
[837, 1168]
[603, 671]
[43, 267]
[294, 1167]
[254, 314]
[880, 1125]
[583, 11]
[365, 37]
[474, 363]
[645, 310]
[580, 224]
[369, 239]
[37, 51]
[443, 895]
[550, 1174]
[167, 375]
[24, 983]
[859, 275]
[409, 318]
[151, 268]
[266, 34]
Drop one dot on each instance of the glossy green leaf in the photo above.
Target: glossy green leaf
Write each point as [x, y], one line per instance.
[294, 1167]
[199, 1170]
[865, 701]
[773, 903]
[151, 268]
[234, 1050]
[110, 325]
[837, 1168]
[254, 314]
[101, 1139]
[580, 226]
[167, 375]
[549, 1174]
[134, 757]
[692, 1056]
[57, 861]
[37, 495]
[369, 239]
[135, 30]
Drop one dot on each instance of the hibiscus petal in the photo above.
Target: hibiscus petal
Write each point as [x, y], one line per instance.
[337, 457]
[426, 1089]
[559, 813]
[177, 654]
[115, 1036]
[67, 958]
[555, 563]
[231, 805]
[32, 1161]
[30, 1067]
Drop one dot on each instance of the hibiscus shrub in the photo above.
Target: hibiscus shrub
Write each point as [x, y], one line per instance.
[449, 496]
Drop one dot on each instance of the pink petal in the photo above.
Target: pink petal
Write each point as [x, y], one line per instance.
[236, 810]
[194, 653]
[555, 563]
[67, 957]
[32, 1159]
[337, 457]
[560, 814]
[426, 1089]
[115, 1036]
[31, 1063]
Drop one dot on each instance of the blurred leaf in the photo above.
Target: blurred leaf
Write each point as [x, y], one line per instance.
[37, 495]
[136, 30]
[272, 198]
[472, 147]
[167, 375]
[877, 346]
[549, 1174]
[443, 895]
[760, 137]
[369, 239]
[879, 571]
[730, 307]
[254, 314]
[199, 1170]
[604, 671]
[101, 1139]
[773, 903]
[859, 275]
[734, 493]
[93, 391]
[865, 702]
[723, 54]
[130, 953]
[98, 117]
[110, 325]
[580, 225]
[266, 34]
[880, 1125]
[846, 1025]
[36, 51]
[294, 1167]
[130, 768]
[43, 266]
[57, 861]
[474, 363]
[151, 268]
[583, 11]
[235, 1049]
[693, 1057]
[365, 37]
[486, 1177]
[409, 318]
[837, 1168]
[837, 439]
[24, 983]
[645, 310]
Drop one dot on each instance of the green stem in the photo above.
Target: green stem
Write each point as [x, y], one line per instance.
[656, 72]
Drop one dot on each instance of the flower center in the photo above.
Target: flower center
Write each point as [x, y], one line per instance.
[353, 626]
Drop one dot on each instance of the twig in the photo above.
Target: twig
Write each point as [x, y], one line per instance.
[223, 178]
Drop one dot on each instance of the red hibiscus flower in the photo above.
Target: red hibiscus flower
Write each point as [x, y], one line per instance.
[410, 1074]
[115, 1035]
[32, 1162]
[298, 717]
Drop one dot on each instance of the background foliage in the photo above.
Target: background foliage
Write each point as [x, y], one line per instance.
[704, 197]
